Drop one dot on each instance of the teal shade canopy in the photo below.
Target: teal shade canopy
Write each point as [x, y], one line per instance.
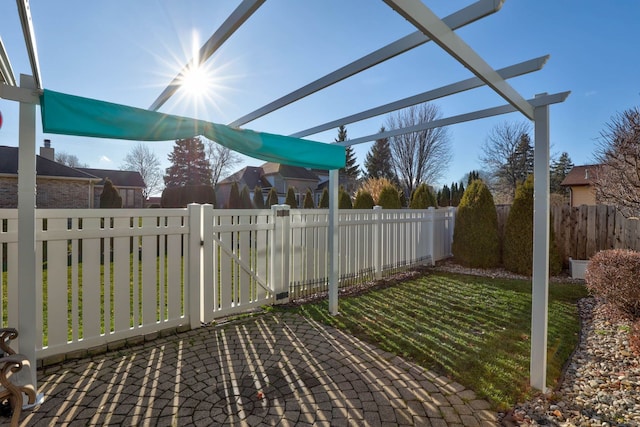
[73, 115]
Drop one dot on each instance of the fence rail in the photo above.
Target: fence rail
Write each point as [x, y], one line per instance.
[108, 275]
[582, 231]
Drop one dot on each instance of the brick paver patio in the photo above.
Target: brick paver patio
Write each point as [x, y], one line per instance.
[272, 369]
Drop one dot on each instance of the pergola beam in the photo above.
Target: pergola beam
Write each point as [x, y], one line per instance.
[525, 67]
[24, 11]
[426, 21]
[6, 72]
[458, 19]
[228, 27]
[467, 117]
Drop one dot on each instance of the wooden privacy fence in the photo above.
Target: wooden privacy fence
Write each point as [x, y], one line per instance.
[106, 275]
[582, 231]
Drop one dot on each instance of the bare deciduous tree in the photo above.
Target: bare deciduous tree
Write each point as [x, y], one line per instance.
[70, 160]
[423, 156]
[141, 159]
[508, 155]
[617, 181]
[221, 159]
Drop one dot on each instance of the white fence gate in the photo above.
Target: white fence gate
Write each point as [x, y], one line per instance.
[108, 275]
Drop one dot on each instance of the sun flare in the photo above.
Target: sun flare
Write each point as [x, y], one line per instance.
[196, 81]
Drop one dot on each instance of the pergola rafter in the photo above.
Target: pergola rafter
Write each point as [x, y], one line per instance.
[456, 20]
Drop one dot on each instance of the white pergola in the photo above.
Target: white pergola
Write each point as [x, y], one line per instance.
[428, 28]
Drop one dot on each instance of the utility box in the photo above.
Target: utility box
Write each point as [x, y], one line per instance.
[577, 268]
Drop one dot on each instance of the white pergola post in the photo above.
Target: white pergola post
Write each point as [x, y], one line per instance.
[540, 279]
[26, 229]
[334, 239]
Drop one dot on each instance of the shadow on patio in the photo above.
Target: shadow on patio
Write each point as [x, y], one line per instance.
[272, 369]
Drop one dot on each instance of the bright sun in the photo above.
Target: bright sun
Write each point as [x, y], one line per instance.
[196, 82]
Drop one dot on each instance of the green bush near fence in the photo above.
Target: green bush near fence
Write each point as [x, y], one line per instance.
[517, 253]
[476, 242]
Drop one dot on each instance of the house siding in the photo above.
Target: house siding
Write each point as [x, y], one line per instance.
[583, 195]
[50, 193]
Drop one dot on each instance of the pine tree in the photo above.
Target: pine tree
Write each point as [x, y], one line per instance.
[272, 197]
[258, 198]
[348, 176]
[559, 170]
[444, 198]
[189, 165]
[473, 175]
[378, 162]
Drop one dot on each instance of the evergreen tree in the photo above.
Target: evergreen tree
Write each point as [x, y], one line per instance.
[348, 176]
[444, 198]
[234, 202]
[378, 162]
[307, 203]
[390, 198]
[364, 200]
[291, 198]
[517, 255]
[272, 197]
[245, 198]
[422, 198]
[559, 170]
[189, 165]
[472, 176]
[110, 197]
[344, 200]
[258, 198]
[476, 242]
[324, 199]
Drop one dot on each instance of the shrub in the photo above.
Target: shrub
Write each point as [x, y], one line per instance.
[518, 235]
[422, 198]
[234, 202]
[344, 200]
[180, 197]
[614, 275]
[324, 200]
[307, 203]
[476, 242]
[110, 198]
[364, 200]
[272, 197]
[258, 198]
[291, 198]
[245, 198]
[374, 187]
[390, 198]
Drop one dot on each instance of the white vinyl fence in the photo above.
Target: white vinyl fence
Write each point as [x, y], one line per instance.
[105, 275]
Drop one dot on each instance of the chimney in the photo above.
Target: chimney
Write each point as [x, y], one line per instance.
[47, 152]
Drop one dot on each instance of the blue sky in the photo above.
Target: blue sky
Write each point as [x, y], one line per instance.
[128, 51]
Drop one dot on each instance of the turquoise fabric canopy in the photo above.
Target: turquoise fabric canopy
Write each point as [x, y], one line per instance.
[73, 115]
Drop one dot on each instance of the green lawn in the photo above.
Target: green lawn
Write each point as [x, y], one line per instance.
[473, 329]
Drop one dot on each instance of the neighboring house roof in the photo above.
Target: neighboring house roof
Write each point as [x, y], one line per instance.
[580, 176]
[251, 176]
[44, 167]
[290, 172]
[118, 178]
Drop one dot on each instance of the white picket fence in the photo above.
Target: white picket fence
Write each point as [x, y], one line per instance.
[108, 275]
